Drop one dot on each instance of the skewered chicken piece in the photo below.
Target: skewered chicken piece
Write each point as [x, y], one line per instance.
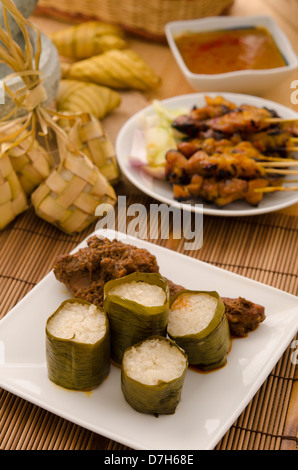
[219, 165]
[244, 118]
[220, 178]
[192, 123]
[214, 107]
[221, 192]
[273, 140]
[275, 143]
[212, 146]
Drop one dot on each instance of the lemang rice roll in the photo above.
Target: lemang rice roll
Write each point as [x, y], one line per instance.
[137, 306]
[197, 322]
[78, 345]
[152, 375]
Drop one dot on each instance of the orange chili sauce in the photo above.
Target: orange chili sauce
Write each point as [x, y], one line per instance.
[212, 52]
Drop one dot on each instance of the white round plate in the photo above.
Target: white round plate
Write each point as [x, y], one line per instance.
[162, 191]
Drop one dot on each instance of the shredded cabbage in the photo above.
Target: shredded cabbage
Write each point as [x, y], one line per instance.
[159, 135]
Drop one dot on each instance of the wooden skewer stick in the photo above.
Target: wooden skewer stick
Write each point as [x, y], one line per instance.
[276, 159]
[271, 189]
[281, 172]
[280, 164]
[288, 181]
[291, 149]
[280, 120]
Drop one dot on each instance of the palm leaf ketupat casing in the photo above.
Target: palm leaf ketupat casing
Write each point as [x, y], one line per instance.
[68, 198]
[130, 321]
[31, 162]
[88, 39]
[161, 397]
[13, 200]
[74, 96]
[209, 347]
[77, 365]
[120, 69]
[89, 136]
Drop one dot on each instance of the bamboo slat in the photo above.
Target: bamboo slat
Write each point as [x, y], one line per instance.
[259, 247]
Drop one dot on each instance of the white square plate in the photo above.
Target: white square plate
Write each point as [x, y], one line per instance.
[210, 402]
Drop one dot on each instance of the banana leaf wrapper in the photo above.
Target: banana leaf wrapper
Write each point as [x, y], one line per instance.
[75, 365]
[208, 348]
[131, 322]
[162, 398]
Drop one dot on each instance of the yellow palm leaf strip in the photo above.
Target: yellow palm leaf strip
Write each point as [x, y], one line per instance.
[38, 49]
[6, 36]
[11, 53]
[6, 57]
[10, 130]
[22, 23]
[29, 96]
[74, 188]
[21, 61]
[80, 167]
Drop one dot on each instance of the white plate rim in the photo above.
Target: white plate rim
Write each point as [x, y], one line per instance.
[191, 98]
[131, 440]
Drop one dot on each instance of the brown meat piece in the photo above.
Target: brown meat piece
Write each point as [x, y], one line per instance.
[85, 272]
[174, 288]
[243, 316]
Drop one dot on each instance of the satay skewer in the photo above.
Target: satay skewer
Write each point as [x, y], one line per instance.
[281, 172]
[275, 159]
[271, 189]
[279, 120]
[280, 164]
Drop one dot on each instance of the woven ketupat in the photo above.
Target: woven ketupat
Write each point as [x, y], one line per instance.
[13, 200]
[89, 137]
[69, 196]
[31, 163]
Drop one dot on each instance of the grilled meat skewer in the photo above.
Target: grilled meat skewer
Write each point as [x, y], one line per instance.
[220, 165]
[244, 118]
[220, 192]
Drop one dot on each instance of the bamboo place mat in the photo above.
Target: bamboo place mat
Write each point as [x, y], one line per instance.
[262, 248]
